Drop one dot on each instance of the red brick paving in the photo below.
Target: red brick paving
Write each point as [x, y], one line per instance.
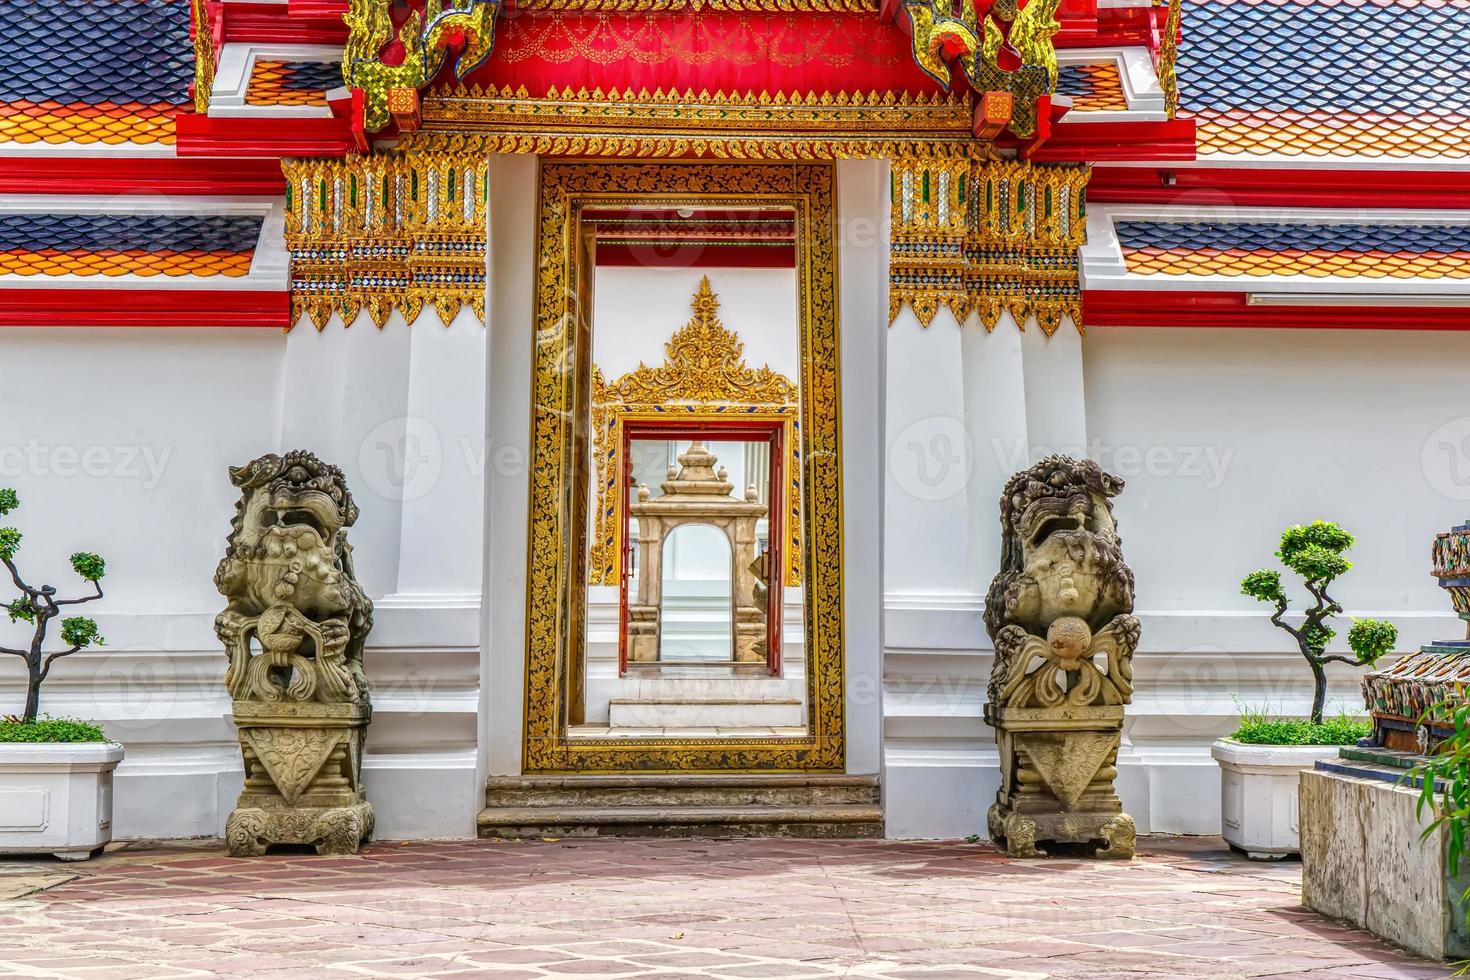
[884, 910]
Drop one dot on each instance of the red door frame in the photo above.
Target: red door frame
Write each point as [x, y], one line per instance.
[772, 432]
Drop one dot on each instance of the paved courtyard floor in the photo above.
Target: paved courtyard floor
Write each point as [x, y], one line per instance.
[738, 909]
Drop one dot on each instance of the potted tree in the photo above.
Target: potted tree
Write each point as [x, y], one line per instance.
[55, 774]
[1260, 761]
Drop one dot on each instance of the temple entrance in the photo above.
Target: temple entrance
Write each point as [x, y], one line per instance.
[686, 367]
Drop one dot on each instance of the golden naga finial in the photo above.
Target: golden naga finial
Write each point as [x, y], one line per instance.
[425, 39]
[1001, 46]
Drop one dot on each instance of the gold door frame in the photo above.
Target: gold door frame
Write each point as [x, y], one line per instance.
[556, 571]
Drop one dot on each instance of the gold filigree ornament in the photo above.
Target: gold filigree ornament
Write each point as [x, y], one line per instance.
[1168, 54]
[399, 229]
[580, 123]
[674, 6]
[204, 54]
[560, 394]
[988, 237]
[1009, 51]
[703, 376]
[425, 38]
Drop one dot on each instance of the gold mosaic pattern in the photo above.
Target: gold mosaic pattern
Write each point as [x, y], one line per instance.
[986, 237]
[106, 122]
[51, 262]
[1319, 264]
[399, 229]
[555, 602]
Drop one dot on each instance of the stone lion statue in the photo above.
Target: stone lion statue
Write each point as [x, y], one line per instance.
[1059, 613]
[294, 630]
[1062, 574]
[288, 576]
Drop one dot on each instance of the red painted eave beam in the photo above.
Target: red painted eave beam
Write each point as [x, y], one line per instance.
[1256, 187]
[1185, 309]
[111, 307]
[140, 175]
[313, 22]
[1083, 142]
[262, 137]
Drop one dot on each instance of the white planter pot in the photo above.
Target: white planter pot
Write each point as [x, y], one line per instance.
[56, 798]
[1258, 784]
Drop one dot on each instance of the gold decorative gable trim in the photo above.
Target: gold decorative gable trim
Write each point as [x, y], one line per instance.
[669, 6]
[703, 375]
[986, 236]
[398, 229]
[567, 122]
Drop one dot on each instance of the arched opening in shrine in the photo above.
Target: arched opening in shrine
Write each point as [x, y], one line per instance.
[696, 612]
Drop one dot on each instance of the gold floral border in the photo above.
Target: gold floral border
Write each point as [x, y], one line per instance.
[556, 571]
[671, 6]
[579, 123]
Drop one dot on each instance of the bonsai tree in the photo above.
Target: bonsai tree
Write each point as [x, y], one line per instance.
[1314, 551]
[37, 606]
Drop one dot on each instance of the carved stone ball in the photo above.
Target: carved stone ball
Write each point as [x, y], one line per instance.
[1069, 638]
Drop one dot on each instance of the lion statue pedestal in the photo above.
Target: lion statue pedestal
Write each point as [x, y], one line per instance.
[301, 699]
[1060, 616]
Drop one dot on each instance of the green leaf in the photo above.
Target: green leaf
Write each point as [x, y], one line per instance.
[1318, 534]
[1372, 638]
[1315, 563]
[89, 566]
[1317, 637]
[80, 631]
[21, 611]
[8, 501]
[1263, 585]
[9, 542]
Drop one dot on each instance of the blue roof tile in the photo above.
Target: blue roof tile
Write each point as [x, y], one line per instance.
[93, 51]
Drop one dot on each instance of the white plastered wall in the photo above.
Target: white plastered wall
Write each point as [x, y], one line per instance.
[119, 441]
[1224, 437]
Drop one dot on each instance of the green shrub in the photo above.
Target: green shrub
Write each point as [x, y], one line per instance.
[1299, 731]
[37, 606]
[50, 730]
[1314, 551]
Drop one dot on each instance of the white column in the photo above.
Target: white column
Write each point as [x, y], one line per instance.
[862, 214]
[510, 322]
[996, 419]
[1056, 412]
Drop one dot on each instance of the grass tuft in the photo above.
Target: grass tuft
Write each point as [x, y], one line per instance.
[50, 730]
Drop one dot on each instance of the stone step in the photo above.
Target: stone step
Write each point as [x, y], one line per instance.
[704, 713]
[665, 791]
[849, 820]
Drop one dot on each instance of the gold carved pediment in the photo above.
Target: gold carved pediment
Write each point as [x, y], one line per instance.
[704, 361]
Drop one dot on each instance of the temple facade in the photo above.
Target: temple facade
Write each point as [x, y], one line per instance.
[676, 353]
